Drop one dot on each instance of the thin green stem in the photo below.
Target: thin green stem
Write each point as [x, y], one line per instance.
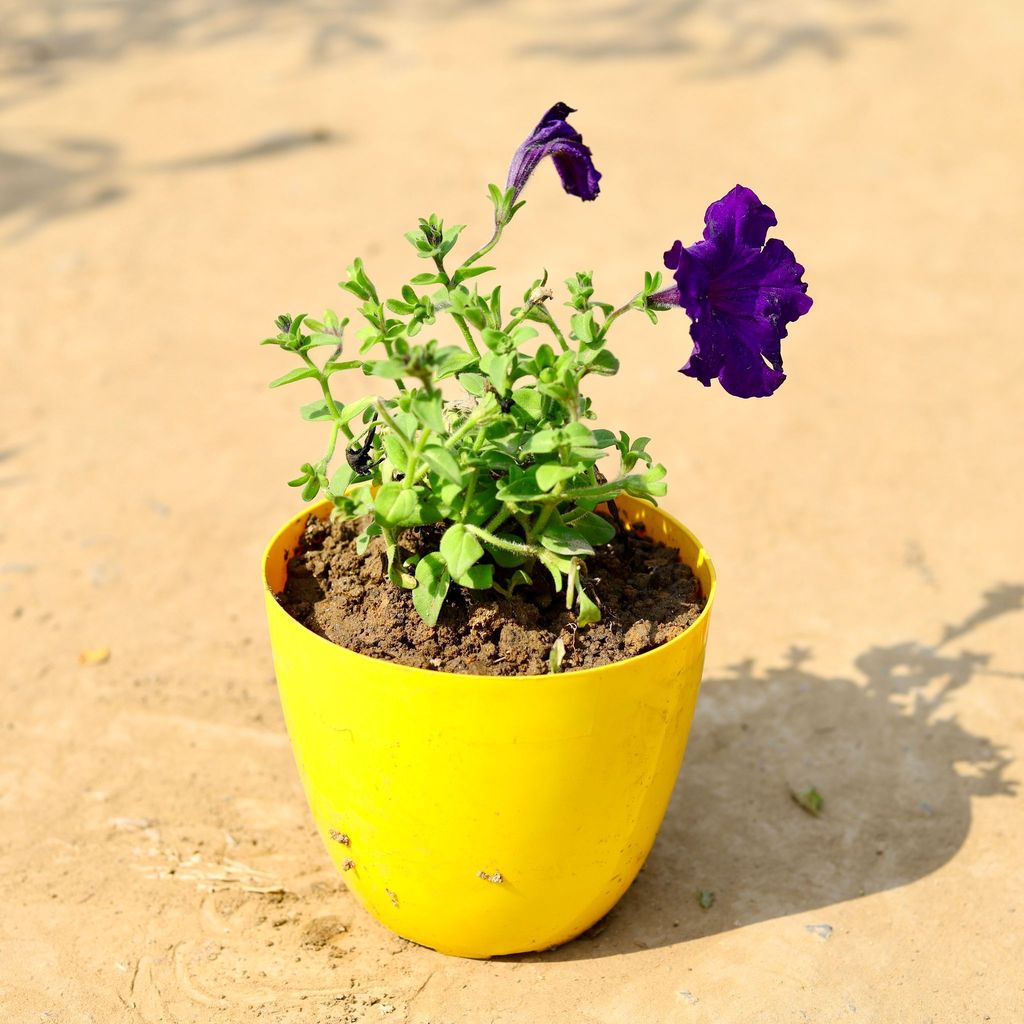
[555, 329]
[515, 547]
[616, 313]
[464, 327]
[486, 247]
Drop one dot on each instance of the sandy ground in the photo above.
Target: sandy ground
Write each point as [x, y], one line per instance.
[174, 175]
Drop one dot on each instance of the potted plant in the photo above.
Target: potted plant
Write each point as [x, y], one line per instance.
[489, 641]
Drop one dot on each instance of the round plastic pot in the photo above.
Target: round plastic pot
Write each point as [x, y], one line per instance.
[483, 815]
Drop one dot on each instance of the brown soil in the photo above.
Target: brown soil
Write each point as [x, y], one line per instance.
[646, 594]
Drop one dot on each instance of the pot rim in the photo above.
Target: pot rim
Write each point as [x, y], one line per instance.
[437, 676]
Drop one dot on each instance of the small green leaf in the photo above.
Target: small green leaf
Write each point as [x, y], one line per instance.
[427, 410]
[340, 481]
[442, 462]
[595, 528]
[589, 613]
[809, 800]
[474, 383]
[556, 657]
[315, 411]
[530, 401]
[461, 550]
[395, 451]
[552, 473]
[705, 897]
[346, 364]
[564, 540]
[321, 338]
[312, 488]
[465, 273]
[397, 506]
[428, 279]
[390, 369]
[356, 408]
[433, 579]
[479, 577]
[302, 373]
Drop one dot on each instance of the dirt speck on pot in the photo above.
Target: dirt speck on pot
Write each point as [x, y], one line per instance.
[646, 594]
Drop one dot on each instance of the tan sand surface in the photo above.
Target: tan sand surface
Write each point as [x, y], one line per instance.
[174, 174]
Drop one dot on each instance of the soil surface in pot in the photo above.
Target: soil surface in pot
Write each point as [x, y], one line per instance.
[646, 595]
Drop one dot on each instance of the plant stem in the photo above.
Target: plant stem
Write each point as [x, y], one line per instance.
[486, 248]
[555, 329]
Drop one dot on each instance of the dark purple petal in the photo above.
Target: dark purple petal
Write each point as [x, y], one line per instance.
[555, 137]
[741, 293]
[739, 220]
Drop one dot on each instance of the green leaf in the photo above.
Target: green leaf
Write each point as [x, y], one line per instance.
[340, 481]
[363, 540]
[496, 367]
[589, 613]
[461, 550]
[557, 656]
[390, 369]
[496, 341]
[530, 401]
[321, 338]
[480, 577]
[302, 373]
[451, 361]
[603, 363]
[442, 462]
[433, 579]
[810, 800]
[312, 488]
[595, 528]
[465, 273]
[347, 364]
[395, 451]
[401, 506]
[315, 411]
[552, 473]
[564, 540]
[356, 408]
[705, 897]
[428, 279]
[474, 383]
[427, 410]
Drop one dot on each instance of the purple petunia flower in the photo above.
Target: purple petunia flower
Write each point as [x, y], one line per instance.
[555, 137]
[740, 292]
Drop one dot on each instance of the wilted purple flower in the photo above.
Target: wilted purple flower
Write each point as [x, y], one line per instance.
[740, 292]
[555, 137]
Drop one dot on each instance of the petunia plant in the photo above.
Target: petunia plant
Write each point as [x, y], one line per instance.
[475, 457]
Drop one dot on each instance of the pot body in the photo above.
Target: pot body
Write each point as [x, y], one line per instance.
[485, 815]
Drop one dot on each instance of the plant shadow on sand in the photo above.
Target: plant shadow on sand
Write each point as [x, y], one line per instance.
[897, 776]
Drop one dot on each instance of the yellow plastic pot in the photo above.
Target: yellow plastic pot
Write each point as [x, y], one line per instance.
[481, 815]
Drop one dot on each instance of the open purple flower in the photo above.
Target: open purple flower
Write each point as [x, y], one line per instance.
[740, 292]
[555, 137]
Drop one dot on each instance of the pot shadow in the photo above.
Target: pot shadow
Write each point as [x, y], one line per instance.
[896, 775]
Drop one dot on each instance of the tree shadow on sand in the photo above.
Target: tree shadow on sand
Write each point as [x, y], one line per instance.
[717, 38]
[897, 776]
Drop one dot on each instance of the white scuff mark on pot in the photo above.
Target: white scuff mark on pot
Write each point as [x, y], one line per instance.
[823, 931]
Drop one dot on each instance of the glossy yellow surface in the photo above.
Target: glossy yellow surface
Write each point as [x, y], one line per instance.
[481, 815]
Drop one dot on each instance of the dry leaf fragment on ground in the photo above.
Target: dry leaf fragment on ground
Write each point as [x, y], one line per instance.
[94, 656]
